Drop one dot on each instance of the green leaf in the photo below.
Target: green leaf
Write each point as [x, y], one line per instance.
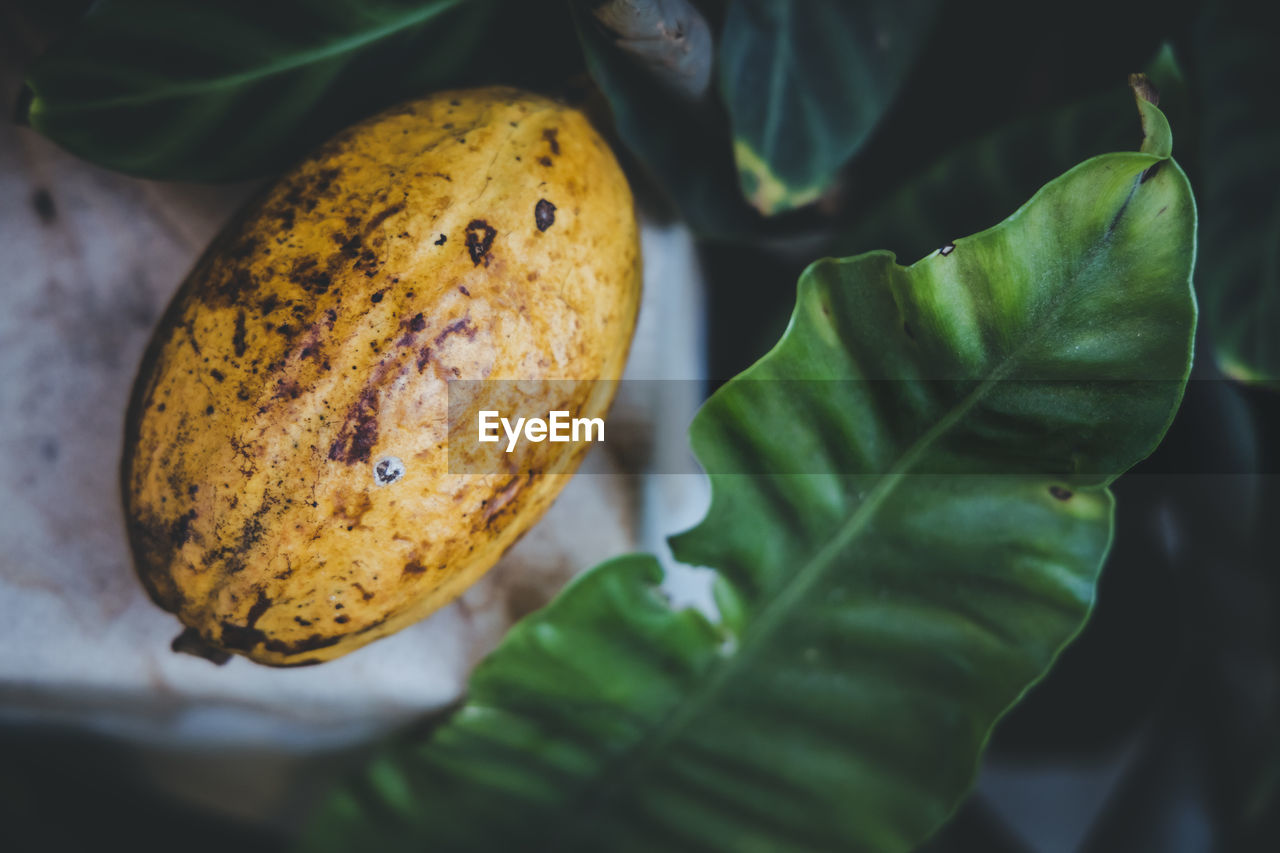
[217, 90]
[1237, 65]
[909, 513]
[975, 183]
[806, 84]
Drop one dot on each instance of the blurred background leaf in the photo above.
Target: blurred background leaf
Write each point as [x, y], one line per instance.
[1237, 64]
[807, 83]
[51, 13]
[216, 90]
[681, 139]
[801, 88]
[973, 184]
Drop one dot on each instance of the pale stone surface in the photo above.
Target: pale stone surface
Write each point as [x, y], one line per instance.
[86, 273]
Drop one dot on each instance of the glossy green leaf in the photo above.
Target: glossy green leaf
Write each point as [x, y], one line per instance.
[806, 84]
[1238, 63]
[909, 513]
[224, 89]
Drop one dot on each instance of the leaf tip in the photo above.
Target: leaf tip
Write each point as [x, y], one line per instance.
[1144, 89]
[1156, 136]
[767, 192]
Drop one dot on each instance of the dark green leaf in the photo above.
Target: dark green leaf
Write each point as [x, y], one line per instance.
[1237, 64]
[51, 13]
[684, 143]
[806, 84]
[910, 510]
[223, 89]
[975, 183]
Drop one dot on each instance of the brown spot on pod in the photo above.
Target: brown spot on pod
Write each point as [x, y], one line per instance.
[550, 134]
[359, 431]
[462, 326]
[309, 277]
[310, 644]
[180, 531]
[349, 246]
[383, 216]
[479, 240]
[260, 606]
[237, 339]
[189, 642]
[544, 214]
[241, 638]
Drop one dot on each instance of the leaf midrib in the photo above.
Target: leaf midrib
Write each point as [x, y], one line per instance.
[777, 80]
[796, 587]
[231, 81]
